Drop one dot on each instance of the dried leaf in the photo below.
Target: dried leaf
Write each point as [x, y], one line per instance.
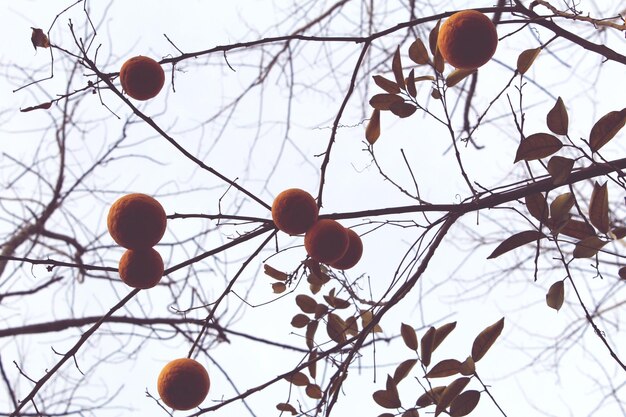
[618, 233]
[409, 336]
[39, 39]
[577, 229]
[442, 332]
[403, 109]
[275, 273]
[559, 169]
[468, 367]
[557, 119]
[599, 207]
[44, 106]
[403, 370]
[366, 318]
[287, 408]
[352, 327]
[298, 378]
[311, 328]
[606, 128]
[486, 339]
[418, 52]
[515, 241]
[396, 67]
[299, 321]
[411, 412]
[588, 247]
[537, 146]
[335, 327]
[389, 86]
[432, 37]
[307, 304]
[561, 206]
[372, 131]
[313, 391]
[384, 101]
[320, 310]
[526, 59]
[458, 75]
[435, 94]
[312, 367]
[439, 62]
[411, 88]
[430, 397]
[278, 287]
[464, 403]
[427, 343]
[450, 393]
[556, 295]
[387, 415]
[537, 206]
[386, 400]
[444, 368]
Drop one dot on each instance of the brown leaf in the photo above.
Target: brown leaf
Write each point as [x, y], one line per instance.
[557, 119]
[435, 94]
[561, 206]
[278, 287]
[275, 273]
[439, 62]
[39, 39]
[335, 327]
[391, 386]
[458, 75]
[618, 233]
[588, 247]
[307, 304]
[411, 412]
[486, 339]
[352, 326]
[298, 379]
[403, 370]
[442, 332]
[464, 403]
[320, 310]
[312, 367]
[386, 400]
[426, 348]
[537, 206]
[409, 336]
[384, 101]
[336, 302]
[311, 328]
[403, 109]
[299, 321]
[389, 86]
[313, 391]
[450, 393]
[366, 318]
[556, 295]
[418, 52]
[622, 272]
[44, 106]
[444, 368]
[411, 88]
[526, 59]
[606, 128]
[577, 229]
[287, 408]
[396, 67]
[387, 415]
[372, 131]
[559, 169]
[430, 397]
[599, 207]
[432, 37]
[468, 367]
[537, 146]
[515, 241]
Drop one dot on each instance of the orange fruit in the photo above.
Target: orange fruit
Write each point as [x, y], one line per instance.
[326, 241]
[142, 78]
[353, 254]
[136, 221]
[467, 39]
[294, 211]
[183, 384]
[141, 268]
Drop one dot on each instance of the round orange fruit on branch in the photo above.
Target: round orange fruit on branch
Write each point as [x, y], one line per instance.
[141, 268]
[326, 241]
[142, 78]
[183, 384]
[294, 211]
[136, 221]
[353, 254]
[467, 39]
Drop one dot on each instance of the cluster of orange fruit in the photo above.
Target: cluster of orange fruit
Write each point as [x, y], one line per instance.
[295, 211]
[137, 222]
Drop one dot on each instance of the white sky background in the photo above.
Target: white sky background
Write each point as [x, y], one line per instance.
[353, 183]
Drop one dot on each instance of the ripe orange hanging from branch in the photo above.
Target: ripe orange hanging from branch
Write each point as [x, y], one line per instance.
[294, 211]
[353, 254]
[467, 39]
[136, 221]
[142, 78]
[326, 241]
[183, 384]
[141, 268]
